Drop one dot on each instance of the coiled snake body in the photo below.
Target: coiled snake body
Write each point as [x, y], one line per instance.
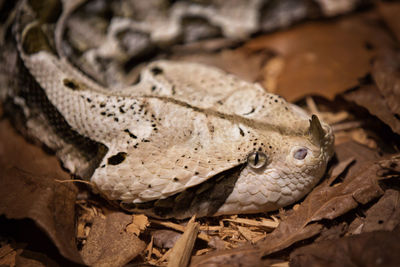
[185, 139]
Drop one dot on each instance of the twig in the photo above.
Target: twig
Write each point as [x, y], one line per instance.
[179, 228]
[73, 181]
[266, 223]
[346, 126]
[312, 106]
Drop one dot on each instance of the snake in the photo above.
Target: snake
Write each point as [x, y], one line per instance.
[182, 139]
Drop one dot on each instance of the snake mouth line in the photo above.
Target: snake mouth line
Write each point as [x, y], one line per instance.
[203, 199]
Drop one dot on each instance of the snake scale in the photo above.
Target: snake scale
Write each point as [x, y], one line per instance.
[183, 139]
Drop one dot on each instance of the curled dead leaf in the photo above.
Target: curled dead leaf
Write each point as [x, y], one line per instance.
[109, 244]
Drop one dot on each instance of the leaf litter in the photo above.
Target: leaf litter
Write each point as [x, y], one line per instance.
[352, 214]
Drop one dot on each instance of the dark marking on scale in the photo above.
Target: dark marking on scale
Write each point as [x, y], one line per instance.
[157, 70]
[241, 131]
[71, 84]
[130, 134]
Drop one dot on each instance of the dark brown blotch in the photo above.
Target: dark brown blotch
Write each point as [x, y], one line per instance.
[71, 84]
[117, 158]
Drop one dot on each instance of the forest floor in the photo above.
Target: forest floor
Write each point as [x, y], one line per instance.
[346, 70]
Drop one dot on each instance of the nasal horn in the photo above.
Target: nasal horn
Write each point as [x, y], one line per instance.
[316, 132]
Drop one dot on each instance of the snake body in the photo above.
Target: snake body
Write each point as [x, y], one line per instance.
[185, 139]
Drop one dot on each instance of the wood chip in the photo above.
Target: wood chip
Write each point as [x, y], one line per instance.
[163, 258]
[7, 255]
[251, 236]
[138, 225]
[80, 231]
[280, 264]
[157, 253]
[149, 249]
[211, 228]
[181, 252]
[6, 249]
[202, 251]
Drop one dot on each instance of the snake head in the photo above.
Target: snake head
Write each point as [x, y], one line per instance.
[283, 175]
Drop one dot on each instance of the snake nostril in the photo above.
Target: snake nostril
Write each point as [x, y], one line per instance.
[300, 154]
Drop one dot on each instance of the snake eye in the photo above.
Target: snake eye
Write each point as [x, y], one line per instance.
[300, 153]
[257, 159]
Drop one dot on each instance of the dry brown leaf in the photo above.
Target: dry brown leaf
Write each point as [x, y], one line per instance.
[327, 202]
[33, 259]
[369, 97]
[339, 169]
[28, 189]
[353, 150]
[138, 225]
[109, 244]
[334, 231]
[232, 61]
[325, 58]
[389, 12]
[379, 248]
[384, 215]
[386, 76]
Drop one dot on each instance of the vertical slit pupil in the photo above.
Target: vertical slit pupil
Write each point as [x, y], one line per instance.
[256, 159]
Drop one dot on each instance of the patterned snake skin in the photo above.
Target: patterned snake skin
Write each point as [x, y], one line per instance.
[184, 139]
